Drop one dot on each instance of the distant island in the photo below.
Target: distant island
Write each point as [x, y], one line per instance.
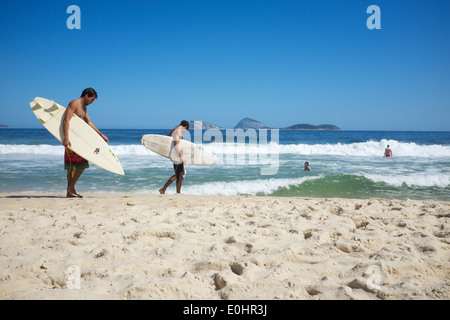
[248, 123]
[202, 125]
[2, 126]
[312, 127]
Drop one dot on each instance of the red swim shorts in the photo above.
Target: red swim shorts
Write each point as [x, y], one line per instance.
[73, 161]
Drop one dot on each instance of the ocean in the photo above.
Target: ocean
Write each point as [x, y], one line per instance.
[345, 164]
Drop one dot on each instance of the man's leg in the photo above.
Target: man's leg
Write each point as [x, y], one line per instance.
[72, 178]
[179, 181]
[168, 183]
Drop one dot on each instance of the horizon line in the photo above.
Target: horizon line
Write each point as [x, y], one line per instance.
[283, 129]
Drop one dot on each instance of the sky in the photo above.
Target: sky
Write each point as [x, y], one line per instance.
[157, 62]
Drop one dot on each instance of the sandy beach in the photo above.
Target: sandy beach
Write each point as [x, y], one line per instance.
[222, 247]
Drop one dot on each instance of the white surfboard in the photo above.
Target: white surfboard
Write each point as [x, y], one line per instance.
[192, 153]
[85, 141]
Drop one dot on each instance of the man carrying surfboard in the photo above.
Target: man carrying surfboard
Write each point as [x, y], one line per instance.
[178, 166]
[73, 163]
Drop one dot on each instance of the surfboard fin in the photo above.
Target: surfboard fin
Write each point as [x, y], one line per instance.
[36, 107]
[44, 114]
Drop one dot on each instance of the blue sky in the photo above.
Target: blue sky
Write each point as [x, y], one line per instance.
[157, 62]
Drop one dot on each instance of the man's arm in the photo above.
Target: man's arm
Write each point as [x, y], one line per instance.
[67, 116]
[90, 123]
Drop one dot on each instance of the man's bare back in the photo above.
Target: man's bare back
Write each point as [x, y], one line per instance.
[388, 152]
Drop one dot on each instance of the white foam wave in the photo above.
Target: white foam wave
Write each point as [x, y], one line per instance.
[251, 187]
[44, 149]
[413, 180]
[369, 148]
[363, 149]
[132, 149]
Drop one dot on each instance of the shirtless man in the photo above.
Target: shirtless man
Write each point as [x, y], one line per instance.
[178, 166]
[388, 152]
[73, 163]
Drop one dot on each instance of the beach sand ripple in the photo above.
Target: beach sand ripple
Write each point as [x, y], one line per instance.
[223, 247]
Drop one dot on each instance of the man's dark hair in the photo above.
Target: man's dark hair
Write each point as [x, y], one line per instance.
[185, 124]
[90, 92]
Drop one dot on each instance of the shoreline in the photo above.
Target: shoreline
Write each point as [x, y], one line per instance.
[133, 246]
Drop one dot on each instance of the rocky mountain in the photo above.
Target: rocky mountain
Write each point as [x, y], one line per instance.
[248, 123]
[202, 125]
[2, 126]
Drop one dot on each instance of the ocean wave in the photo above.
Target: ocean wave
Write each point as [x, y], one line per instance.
[45, 149]
[413, 180]
[42, 149]
[362, 149]
[318, 185]
[251, 187]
